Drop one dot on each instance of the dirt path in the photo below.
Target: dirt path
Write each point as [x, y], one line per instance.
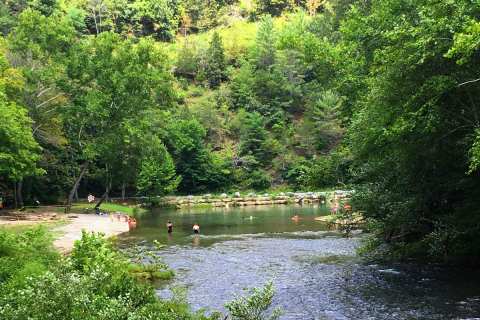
[90, 223]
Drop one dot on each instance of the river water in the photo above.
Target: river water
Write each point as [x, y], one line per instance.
[315, 271]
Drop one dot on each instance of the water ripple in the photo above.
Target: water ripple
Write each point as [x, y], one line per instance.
[314, 278]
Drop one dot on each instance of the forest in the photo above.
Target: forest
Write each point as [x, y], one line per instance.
[157, 97]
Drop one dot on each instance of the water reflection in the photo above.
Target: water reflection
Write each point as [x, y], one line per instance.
[227, 222]
[196, 240]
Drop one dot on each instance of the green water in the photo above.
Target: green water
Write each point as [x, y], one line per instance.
[219, 224]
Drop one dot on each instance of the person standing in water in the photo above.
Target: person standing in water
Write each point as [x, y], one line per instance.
[196, 228]
[169, 226]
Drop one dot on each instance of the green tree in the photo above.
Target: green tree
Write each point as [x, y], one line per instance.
[157, 173]
[38, 46]
[264, 51]
[322, 122]
[185, 140]
[273, 7]
[254, 138]
[46, 7]
[19, 152]
[215, 62]
[159, 18]
[241, 86]
[187, 63]
[255, 306]
[414, 126]
[115, 81]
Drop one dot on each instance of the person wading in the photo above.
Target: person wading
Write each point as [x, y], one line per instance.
[169, 226]
[196, 228]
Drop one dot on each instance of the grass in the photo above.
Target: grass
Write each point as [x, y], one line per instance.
[237, 38]
[151, 272]
[19, 228]
[107, 207]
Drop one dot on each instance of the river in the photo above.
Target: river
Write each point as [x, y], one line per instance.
[315, 271]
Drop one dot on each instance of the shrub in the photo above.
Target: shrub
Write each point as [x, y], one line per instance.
[24, 254]
[255, 306]
[94, 282]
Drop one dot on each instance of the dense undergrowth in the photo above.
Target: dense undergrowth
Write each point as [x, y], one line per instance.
[94, 282]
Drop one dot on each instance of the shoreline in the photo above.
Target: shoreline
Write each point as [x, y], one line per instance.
[225, 201]
[66, 228]
[72, 231]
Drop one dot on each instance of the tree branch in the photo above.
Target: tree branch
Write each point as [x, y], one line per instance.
[468, 82]
[47, 101]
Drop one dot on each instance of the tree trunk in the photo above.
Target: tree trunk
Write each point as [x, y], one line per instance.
[15, 195]
[76, 195]
[104, 197]
[123, 191]
[75, 187]
[20, 193]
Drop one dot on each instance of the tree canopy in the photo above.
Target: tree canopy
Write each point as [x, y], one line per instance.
[155, 97]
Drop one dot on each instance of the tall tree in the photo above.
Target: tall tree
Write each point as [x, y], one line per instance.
[264, 51]
[415, 124]
[19, 152]
[38, 46]
[157, 172]
[159, 18]
[115, 81]
[215, 66]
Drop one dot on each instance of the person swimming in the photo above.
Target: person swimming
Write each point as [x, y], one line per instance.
[295, 217]
[196, 228]
[169, 226]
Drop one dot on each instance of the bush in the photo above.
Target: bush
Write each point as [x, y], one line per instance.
[255, 306]
[24, 254]
[93, 283]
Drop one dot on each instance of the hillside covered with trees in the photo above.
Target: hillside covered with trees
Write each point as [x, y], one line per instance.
[154, 97]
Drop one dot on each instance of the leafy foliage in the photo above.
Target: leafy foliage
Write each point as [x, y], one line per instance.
[215, 62]
[215, 95]
[94, 282]
[255, 306]
[19, 152]
[157, 174]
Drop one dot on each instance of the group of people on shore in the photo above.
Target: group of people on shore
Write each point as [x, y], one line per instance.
[195, 228]
[132, 222]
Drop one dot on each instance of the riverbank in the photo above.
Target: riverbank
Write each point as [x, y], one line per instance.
[108, 207]
[86, 222]
[67, 228]
[238, 200]
[19, 221]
